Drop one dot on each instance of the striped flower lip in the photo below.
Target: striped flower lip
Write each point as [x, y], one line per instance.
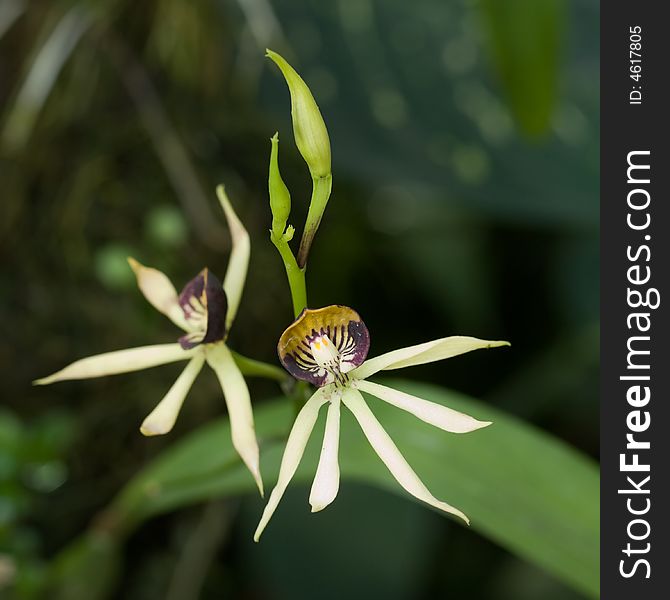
[204, 304]
[323, 345]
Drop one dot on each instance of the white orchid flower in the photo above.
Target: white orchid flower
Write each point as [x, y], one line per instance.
[328, 347]
[205, 310]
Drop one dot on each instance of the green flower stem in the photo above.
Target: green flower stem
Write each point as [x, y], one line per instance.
[321, 187]
[295, 275]
[256, 368]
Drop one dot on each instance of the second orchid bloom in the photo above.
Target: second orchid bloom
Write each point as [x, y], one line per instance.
[327, 348]
[205, 310]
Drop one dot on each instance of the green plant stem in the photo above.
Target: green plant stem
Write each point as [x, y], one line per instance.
[295, 275]
[256, 368]
[321, 188]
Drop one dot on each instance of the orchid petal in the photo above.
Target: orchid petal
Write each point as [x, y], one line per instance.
[430, 412]
[237, 398]
[121, 361]
[390, 455]
[327, 479]
[295, 447]
[238, 263]
[162, 418]
[159, 291]
[423, 353]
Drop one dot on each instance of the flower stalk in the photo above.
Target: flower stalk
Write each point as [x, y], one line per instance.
[311, 138]
[280, 234]
[294, 274]
[256, 368]
[321, 188]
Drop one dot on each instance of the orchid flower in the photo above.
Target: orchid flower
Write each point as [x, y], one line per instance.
[205, 310]
[327, 347]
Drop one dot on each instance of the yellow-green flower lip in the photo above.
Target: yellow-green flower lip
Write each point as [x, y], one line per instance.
[322, 345]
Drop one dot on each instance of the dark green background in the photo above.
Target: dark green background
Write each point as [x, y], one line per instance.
[465, 201]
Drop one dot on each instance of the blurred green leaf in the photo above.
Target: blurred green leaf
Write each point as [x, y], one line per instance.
[11, 431]
[86, 570]
[391, 560]
[524, 37]
[521, 487]
[45, 66]
[10, 11]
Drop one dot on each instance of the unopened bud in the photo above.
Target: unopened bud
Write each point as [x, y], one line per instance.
[280, 198]
[311, 135]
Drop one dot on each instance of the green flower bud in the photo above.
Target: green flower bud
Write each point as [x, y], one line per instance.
[280, 198]
[311, 135]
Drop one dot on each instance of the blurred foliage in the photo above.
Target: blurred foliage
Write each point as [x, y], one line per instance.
[32, 467]
[525, 38]
[465, 200]
[553, 498]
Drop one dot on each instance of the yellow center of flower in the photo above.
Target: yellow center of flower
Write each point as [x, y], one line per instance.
[327, 356]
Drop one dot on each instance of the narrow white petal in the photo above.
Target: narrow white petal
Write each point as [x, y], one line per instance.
[238, 263]
[121, 361]
[159, 291]
[430, 412]
[327, 479]
[390, 455]
[162, 418]
[423, 353]
[238, 401]
[295, 447]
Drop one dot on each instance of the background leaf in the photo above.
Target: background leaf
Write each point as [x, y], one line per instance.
[523, 488]
[524, 37]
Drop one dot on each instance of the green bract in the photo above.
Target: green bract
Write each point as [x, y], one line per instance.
[280, 197]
